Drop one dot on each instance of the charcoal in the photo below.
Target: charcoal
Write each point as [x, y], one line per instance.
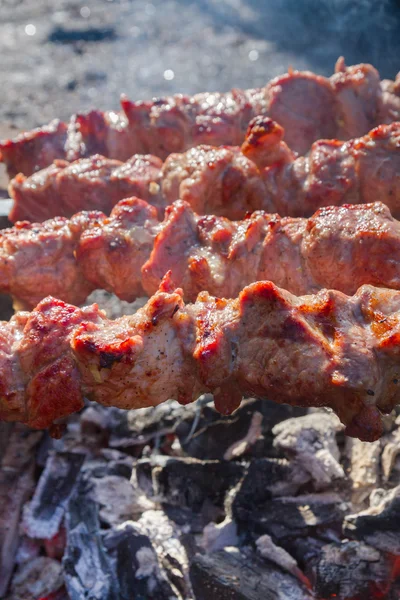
[351, 570]
[20, 450]
[87, 569]
[288, 517]
[188, 482]
[109, 462]
[137, 565]
[16, 486]
[36, 579]
[206, 435]
[311, 440]
[135, 428]
[44, 514]
[234, 575]
[5, 432]
[264, 479]
[219, 536]
[186, 519]
[277, 555]
[391, 450]
[94, 426]
[28, 550]
[166, 539]
[364, 458]
[244, 445]
[119, 501]
[378, 525]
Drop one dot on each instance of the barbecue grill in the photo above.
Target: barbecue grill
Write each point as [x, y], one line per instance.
[108, 492]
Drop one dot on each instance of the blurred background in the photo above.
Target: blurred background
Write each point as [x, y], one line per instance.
[62, 56]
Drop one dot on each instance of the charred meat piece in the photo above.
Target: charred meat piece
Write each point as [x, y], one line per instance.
[308, 106]
[326, 349]
[264, 174]
[129, 252]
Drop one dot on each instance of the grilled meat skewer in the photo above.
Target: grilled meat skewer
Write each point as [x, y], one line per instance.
[129, 252]
[326, 349]
[309, 107]
[264, 174]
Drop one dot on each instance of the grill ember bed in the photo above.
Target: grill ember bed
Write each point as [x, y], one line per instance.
[272, 502]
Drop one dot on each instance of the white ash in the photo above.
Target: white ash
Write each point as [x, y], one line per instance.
[165, 536]
[379, 524]
[119, 501]
[311, 440]
[219, 536]
[113, 306]
[254, 432]
[36, 579]
[364, 468]
[278, 555]
[148, 563]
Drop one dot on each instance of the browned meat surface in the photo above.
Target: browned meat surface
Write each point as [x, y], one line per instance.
[38, 259]
[219, 181]
[359, 171]
[359, 95]
[391, 100]
[326, 349]
[90, 183]
[35, 149]
[129, 252]
[230, 181]
[309, 107]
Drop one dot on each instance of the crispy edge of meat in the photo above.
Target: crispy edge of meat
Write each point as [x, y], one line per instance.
[326, 349]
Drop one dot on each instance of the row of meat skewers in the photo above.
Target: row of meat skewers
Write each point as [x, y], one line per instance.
[326, 349]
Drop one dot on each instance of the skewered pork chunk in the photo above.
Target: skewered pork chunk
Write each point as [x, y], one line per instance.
[264, 174]
[129, 252]
[94, 183]
[326, 349]
[309, 107]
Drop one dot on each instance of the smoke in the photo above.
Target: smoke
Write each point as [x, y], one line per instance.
[320, 30]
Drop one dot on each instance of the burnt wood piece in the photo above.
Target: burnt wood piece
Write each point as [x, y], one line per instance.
[135, 428]
[311, 442]
[166, 539]
[188, 482]
[286, 518]
[264, 479]
[16, 485]
[378, 525]
[137, 566]
[45, 513]
[364, 465]
[109, 462]
[232, 575]
[352, 570]
[190, 521]
[87, 569]
[206, 435]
